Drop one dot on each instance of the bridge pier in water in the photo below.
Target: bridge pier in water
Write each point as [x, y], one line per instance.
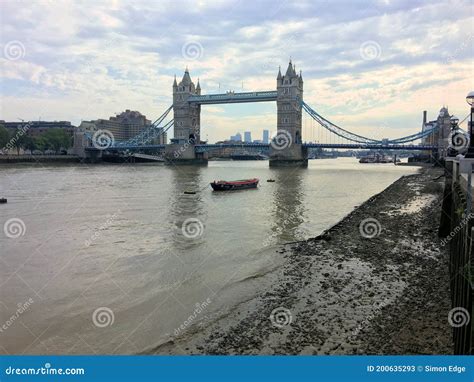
[184, 153]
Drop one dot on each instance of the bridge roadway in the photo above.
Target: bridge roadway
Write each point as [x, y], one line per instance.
[354, 146]
[231, 97]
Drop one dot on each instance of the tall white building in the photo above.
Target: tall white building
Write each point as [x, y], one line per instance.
[247, 137]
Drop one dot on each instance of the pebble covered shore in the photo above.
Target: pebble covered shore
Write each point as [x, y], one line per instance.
[375, 283]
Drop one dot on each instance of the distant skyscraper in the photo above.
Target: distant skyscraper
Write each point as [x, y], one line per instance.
[247, 137]
[236, 138]
[266, 136]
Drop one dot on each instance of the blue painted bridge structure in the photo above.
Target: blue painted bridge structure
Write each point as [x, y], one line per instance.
[232, 97]
[142, 140]
[349, 146]
[355, 141]
[187, 102]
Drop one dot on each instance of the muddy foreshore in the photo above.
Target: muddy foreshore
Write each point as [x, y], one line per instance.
[375, 283]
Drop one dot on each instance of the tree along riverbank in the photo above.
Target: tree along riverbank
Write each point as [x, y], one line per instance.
[39, 159]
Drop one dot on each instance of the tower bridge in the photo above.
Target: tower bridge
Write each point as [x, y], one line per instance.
[286, 148]
[187, 101]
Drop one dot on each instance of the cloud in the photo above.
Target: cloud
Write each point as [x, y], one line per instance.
[91, 62]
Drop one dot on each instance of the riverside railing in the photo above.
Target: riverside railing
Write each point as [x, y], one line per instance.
[456, 225]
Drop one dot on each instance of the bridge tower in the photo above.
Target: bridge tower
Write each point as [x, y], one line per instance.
[187, 122]
[286, 147]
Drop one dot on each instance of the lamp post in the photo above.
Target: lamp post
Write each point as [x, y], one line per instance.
[470, 101]
[454, 122]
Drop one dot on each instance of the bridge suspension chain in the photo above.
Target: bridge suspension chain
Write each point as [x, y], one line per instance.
[151, 132]
[339, 131]
[333, 128]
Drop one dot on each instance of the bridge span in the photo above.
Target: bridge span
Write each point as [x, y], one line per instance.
[348, 146]
[286, 148]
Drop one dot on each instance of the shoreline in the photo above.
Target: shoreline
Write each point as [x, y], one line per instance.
[343, 293]
[38, 159]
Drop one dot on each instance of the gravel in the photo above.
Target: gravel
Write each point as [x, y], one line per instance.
[375, 283]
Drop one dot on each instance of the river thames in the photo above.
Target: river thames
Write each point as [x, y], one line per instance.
[114, 258]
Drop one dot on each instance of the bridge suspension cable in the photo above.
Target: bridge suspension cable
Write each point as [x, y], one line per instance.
[333, 128]
[339, 131]
[150, 133]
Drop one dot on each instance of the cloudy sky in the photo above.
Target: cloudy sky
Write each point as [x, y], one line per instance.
[369, 66]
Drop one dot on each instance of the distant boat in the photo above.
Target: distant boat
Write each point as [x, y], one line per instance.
[270, 180]
[223, 185]
[377, 158]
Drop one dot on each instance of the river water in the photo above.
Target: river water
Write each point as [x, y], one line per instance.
[114, 258]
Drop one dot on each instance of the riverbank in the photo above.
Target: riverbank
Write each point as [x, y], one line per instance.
[375, 283]
[4, 159]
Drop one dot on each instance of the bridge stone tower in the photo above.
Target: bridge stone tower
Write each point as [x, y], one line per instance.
[187, 122]
[286, 147]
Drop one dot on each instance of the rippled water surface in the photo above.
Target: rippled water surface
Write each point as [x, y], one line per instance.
[108, 239]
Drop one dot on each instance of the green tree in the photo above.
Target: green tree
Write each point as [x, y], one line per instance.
[41, 143]
[18, 139]
[4, 137]
[29, 143]
[58, 139]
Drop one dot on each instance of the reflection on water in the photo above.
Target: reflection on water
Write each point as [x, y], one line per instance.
[186, 206]
[288, 209]
[112, 237]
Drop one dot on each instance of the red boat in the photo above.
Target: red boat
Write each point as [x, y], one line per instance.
[223, 185]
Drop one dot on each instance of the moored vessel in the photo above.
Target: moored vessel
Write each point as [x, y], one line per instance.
[233, 185]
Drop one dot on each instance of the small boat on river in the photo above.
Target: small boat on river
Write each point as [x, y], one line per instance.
[233, 185]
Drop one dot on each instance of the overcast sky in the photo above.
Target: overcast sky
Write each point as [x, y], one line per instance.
[370, 66]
